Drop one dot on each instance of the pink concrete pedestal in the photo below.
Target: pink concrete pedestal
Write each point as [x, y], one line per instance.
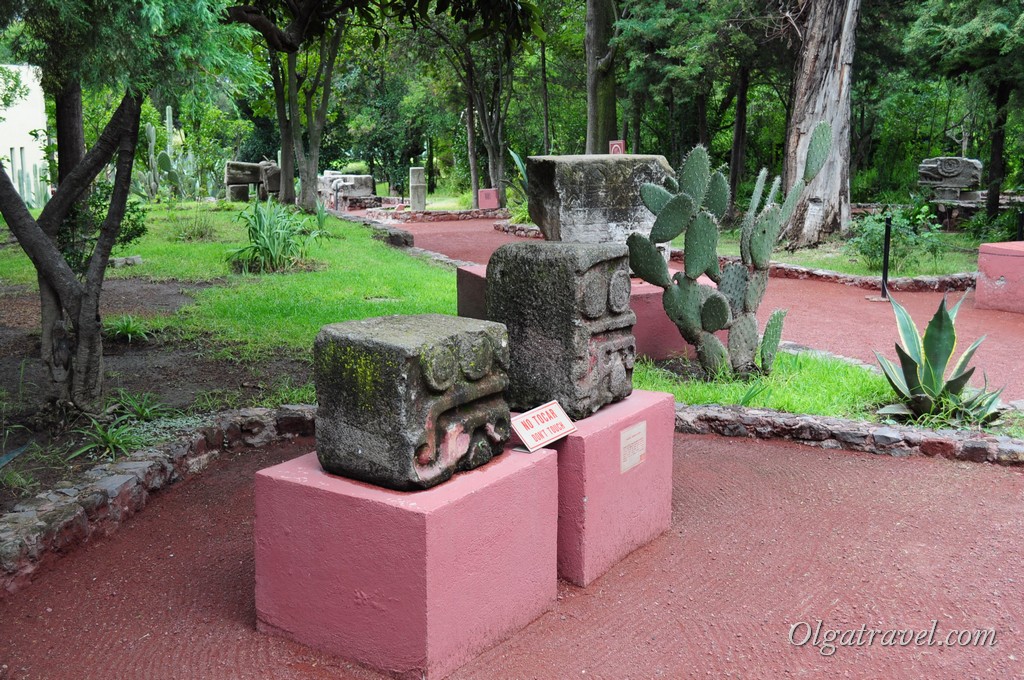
[656, 336]
[412, 584]
[614, 484]
[1001, 277]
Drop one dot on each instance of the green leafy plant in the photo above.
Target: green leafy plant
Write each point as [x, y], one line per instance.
[693, 207]
[77, 237]
[126, 327]
[920, 377]
[108, 442]
[144, 406]
[913, 234]
[278, 239]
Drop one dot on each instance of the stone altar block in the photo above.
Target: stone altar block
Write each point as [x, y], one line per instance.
[614, 484]
[412, 584]
[949, 172]
[1001, 277]
[406, 401]
[566, 306]
[592, 199]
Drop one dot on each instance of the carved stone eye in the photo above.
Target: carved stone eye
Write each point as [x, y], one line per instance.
[439, 367]
[618, 291]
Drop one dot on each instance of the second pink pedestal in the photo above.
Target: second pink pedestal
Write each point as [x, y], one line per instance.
[614, 484]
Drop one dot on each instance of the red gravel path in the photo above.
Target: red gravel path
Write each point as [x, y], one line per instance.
[764, 535]
[469, 240]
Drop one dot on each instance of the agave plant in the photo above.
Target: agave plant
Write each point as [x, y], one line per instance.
[920, 380]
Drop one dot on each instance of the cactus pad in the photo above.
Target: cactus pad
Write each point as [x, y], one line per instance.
[755, 200]
[789, 205]
[755, 290]
[763, 236]
[672, 185]
[743, 344]
[771, 339]
[817, 150]
[712, 355]
[701, 246]
[682, 302]
[673, 219]
[717, 199]
[714, 313]
[647, 262]
[654, 197]
[696, 174]
[733, 286]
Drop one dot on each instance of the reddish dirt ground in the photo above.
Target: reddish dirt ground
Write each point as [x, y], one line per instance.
[469, 240]
[764, 536]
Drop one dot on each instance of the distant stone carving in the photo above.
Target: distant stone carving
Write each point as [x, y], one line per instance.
[950, 172]
[566, 306]
[407, 401]
[592, 199]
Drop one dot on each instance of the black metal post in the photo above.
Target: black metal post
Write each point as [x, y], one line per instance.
[1020, 225]
[885, 257]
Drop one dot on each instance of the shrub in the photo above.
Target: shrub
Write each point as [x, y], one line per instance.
[913, 235]
[278, 239]
[355, 168]
[198, 227]
[1003, 228]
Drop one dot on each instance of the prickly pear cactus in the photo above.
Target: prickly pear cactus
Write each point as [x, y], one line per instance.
[693, 207]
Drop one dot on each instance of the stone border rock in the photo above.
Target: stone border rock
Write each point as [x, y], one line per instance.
[434, 215]
[947, 283]
[524, 230]
[97, 501]
[853, 435]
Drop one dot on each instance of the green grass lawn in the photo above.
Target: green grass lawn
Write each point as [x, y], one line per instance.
[833, 256]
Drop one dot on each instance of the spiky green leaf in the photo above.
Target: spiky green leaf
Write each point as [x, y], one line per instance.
[696, 174]
[908, 333]
[771, 339]
[938, 344]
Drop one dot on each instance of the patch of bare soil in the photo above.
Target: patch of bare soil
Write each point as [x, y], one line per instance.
[177, 374]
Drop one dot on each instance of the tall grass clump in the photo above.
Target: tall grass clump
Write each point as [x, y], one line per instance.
[278, 239]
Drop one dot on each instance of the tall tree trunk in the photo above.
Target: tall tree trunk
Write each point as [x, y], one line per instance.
[601, 120]
[314, 97]
[77, 345]
[996, 165]
[738, 154]
[821, 92]
[431, 175]
[54, 337]
[474, 170]
[280, 79]
[544, 97]
[703, 134]
[638, 114]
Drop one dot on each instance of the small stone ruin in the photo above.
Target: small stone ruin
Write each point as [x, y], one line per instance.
[566, 306]
[417, 190]
[342, 192]
[407, 401]
[592, 199]
[951, 176]
[239, 176]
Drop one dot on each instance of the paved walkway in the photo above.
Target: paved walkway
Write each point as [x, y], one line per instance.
[765, 536]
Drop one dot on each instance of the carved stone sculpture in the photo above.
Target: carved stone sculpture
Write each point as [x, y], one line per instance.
[950, 171]
[592, 199]
[566, 306]
[407, 401]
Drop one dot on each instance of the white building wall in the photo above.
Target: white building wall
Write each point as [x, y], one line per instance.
[23, 157]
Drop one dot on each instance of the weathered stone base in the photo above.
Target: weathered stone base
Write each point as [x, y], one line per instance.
[522, 230]
[412, 584]
[614, 484]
